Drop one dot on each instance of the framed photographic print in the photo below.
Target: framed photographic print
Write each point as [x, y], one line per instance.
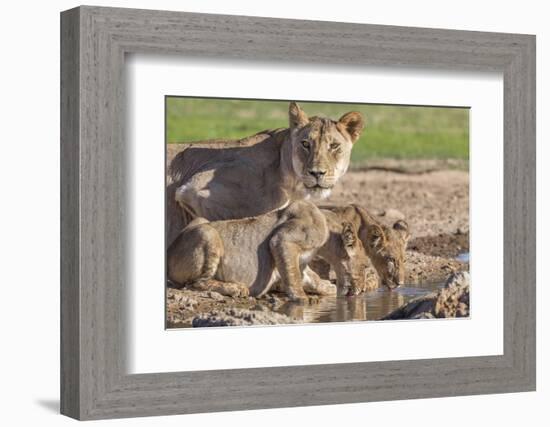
[358, 252]
[281, 213]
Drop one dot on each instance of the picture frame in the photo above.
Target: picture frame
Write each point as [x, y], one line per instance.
[94, 381]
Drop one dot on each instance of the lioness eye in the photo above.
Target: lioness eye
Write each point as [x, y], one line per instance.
[305, 144]
[334, 146]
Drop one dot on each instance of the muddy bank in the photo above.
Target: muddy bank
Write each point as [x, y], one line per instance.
[434, 202]
[187, 308]
[241, 317]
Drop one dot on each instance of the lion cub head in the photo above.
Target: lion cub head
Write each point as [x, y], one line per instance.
[386, 247]
[353, 260]
[321, 148]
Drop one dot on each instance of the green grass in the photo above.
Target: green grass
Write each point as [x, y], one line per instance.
[400, 132]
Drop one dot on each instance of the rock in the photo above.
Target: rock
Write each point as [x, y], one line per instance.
[216, 296]
[186, 301]
[179, 298]
[240, 317]
[453, 300]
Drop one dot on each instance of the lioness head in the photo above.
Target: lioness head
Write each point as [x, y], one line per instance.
[353, 260]
[386, 246]
[321, 148]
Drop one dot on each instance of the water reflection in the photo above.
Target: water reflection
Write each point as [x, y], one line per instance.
[464, 257]
[369, 306]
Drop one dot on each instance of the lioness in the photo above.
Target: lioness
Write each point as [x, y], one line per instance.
[220, 180]
[384, 246]
[247, 256]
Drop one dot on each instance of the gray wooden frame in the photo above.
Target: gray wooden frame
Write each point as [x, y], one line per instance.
[94, 41]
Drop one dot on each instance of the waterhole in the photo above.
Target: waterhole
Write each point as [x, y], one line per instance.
[368, 306]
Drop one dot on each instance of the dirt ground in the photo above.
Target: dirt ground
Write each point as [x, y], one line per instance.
[433, 201]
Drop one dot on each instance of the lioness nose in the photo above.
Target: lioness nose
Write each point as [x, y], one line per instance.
[317, 173]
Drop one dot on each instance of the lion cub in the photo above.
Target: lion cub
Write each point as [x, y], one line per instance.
[246, 256]
[385, 246]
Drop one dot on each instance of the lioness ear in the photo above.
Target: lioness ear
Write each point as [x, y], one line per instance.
[353, 124]
[296, 117]
[349, 236]
[403, 228]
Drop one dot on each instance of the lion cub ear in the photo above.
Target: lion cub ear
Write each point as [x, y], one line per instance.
[296, 116]
[376, 236]
[349, 235]
[353, 124]
[403, 229]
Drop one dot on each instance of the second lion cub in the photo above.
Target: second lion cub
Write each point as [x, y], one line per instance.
[246, 256]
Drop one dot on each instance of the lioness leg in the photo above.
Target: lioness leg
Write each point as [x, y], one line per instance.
[302, 233]
[286, 255]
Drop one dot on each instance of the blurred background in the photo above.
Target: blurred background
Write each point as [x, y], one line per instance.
[391, 132]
